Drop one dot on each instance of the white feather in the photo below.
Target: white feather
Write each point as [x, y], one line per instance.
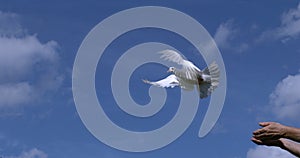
[188, 71]
[170, 81]
[206, 80]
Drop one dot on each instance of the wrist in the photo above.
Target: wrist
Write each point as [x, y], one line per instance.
[285, 131]
[283, 143]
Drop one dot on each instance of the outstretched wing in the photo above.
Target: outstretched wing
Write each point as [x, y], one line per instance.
[171, 55]
[188, 71]
[171, 81]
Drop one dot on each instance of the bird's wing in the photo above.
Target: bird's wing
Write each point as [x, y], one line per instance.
[188, 71]
[185, 85]
[170, 81]
[171, 55]
[213, 71]
[209, 80]
[211, 74]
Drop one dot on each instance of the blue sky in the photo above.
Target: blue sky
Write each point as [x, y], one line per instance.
[258, 40]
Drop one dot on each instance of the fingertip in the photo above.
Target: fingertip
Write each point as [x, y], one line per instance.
[256, 141]
[263, 124]
[257, 132]
[254, 132]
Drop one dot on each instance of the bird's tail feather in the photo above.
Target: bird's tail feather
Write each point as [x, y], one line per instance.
[214, 72]
[206, 88]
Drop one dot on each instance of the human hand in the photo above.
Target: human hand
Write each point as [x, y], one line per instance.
[275, 134]
[269, 142]
[269, 131]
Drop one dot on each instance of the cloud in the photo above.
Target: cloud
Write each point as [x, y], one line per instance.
[226, 36]
[10, 143]
[270, 152]
[285, 99]
[33, 153]
[29, 68]
[15, 94]
[19, 56]
[288, 29]
[9, 24]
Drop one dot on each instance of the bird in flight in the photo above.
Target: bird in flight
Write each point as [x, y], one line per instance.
[189, 75]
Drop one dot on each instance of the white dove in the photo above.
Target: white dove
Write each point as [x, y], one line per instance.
[206, 80]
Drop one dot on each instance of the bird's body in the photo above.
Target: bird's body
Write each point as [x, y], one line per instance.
[189, 76]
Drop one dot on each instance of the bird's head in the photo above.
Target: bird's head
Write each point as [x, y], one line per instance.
[171, 69]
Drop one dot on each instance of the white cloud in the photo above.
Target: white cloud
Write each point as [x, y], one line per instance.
[19, 55]
[33, 153]
[285, 99]
[9, 24]
[269, 152]
[15, 94]
[290, 23]
[28, 67]
[225, 36]
[289, 28]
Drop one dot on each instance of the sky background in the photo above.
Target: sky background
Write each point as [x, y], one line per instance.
[259, 42]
